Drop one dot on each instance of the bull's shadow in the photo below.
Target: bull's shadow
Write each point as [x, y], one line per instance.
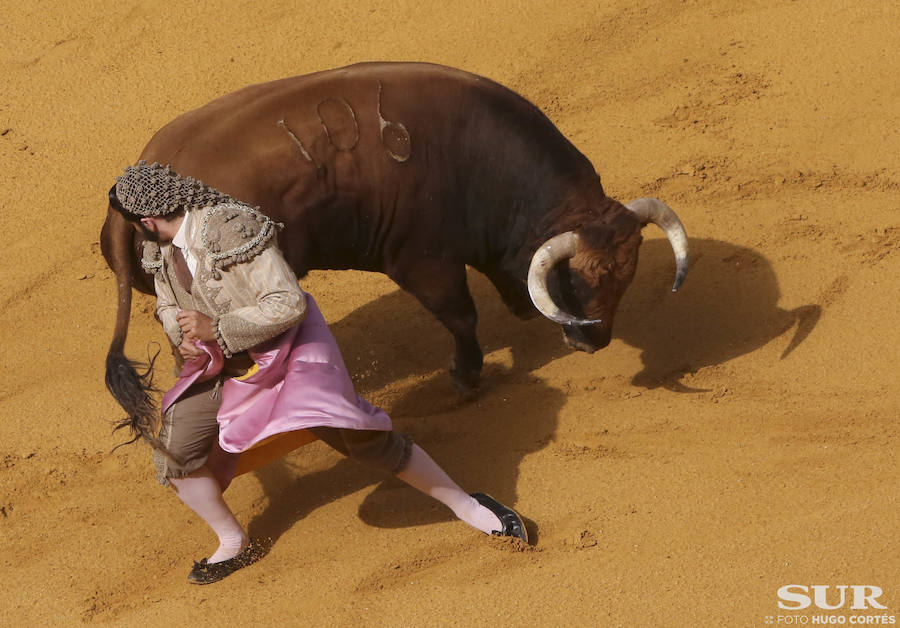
[727, 307]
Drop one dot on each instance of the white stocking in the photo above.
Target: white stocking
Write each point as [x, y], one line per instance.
[424, 474]
[201, 493]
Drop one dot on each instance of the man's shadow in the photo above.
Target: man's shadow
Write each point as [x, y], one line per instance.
[399, 353]
[480, 445]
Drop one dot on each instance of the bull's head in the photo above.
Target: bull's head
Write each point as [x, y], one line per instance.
[600, 265]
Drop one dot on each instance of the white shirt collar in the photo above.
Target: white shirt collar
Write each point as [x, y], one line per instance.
[180, 239]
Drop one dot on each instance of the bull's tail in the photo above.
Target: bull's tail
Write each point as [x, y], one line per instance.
[129, 382]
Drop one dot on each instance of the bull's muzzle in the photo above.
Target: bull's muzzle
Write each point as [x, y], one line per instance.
[587, 338]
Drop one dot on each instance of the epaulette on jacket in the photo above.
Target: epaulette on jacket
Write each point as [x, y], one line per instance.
[233, 233]
[151, 260]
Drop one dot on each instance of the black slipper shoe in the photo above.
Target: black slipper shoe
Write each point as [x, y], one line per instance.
[512, 522]
[206, 573]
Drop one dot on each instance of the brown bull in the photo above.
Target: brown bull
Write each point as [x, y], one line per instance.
[413, 170]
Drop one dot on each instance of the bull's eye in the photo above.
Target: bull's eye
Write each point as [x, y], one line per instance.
[582, 288]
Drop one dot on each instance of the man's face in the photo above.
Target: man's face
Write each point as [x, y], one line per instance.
[161, 228]
[149, 229]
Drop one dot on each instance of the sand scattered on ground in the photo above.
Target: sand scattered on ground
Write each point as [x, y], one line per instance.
[736, 437]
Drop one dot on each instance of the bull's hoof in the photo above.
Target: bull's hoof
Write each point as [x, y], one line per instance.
[465, 382]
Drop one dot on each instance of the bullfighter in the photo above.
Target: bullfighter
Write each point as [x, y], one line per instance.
[259, 361]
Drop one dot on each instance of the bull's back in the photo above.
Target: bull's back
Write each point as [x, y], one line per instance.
[363, 150]
[434, 101]
[224, 124]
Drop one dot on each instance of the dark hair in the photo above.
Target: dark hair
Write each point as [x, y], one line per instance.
[114, 200]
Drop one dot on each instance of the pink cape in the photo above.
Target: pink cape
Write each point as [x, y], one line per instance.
[301, 382]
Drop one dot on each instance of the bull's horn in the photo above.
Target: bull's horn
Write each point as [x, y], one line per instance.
[655, 211]
[548, 255]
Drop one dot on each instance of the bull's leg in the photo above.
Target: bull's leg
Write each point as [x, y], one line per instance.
[513, 292]
[442, 289]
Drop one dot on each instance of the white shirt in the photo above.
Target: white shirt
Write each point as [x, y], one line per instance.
[180, 240]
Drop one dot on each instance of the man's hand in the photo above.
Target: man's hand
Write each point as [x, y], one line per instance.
[195, 325]
[189, 350]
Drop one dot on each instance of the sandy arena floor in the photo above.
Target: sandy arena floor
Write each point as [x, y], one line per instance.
[736, 437]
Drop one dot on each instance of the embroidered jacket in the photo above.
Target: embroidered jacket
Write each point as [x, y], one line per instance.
[242, 280]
